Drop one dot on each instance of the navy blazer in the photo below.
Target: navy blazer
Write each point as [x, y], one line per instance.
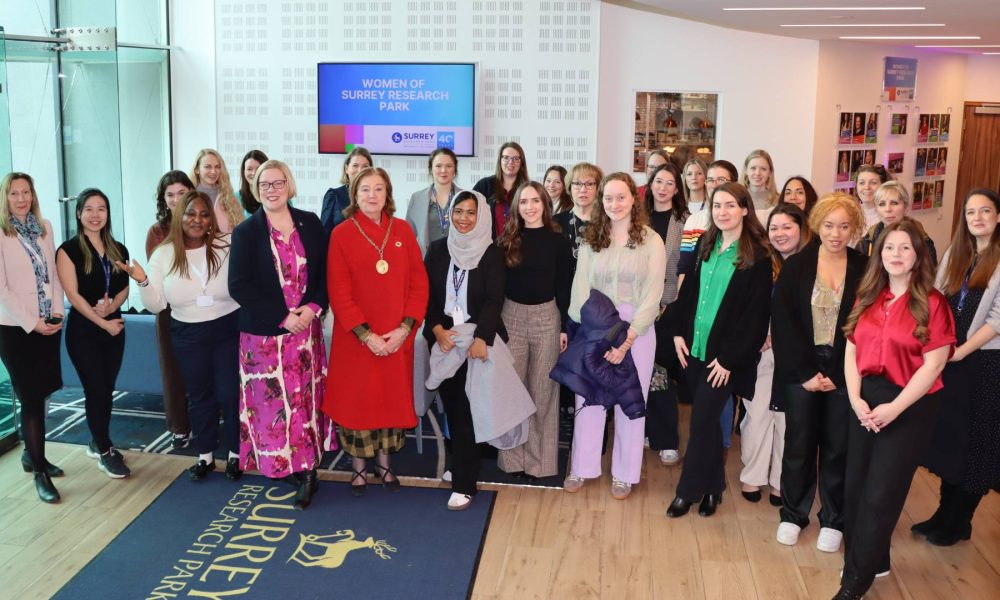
[253, 280]
[335, 200]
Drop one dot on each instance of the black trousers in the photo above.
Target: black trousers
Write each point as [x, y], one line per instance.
[97, 357]
[816, 426]
[465, 452]
[703, 471]
[32, 361]
[880, 468]
[208, 357]
[661, 419]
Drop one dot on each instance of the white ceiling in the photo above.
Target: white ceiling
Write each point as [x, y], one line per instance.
[959, 17]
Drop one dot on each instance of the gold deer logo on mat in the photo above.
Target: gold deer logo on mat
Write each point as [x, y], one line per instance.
[335, 548]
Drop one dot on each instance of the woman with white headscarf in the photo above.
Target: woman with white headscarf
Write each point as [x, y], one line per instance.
[467, 275]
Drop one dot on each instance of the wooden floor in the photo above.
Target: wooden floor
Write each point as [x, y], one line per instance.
[542, 543]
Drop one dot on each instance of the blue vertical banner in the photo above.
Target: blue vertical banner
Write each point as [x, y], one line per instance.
[899, 79]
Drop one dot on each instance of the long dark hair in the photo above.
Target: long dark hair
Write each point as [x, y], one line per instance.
[811, 196]
[678, 204]
[169, 178]
[510, 240]
[963, 254]
[753, 244]
[499, 196]
[876, 279]
[176, 237]
[111, 250]
[247, 198]
[565, 200]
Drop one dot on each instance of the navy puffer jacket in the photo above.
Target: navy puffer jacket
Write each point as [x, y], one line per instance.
[583, 368]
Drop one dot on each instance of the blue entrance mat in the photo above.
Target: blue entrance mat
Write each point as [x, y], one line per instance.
[220, 539]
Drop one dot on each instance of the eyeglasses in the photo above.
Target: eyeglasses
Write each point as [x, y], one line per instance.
[276, 185]
[587, 185]
[716, 180]
[510, 159]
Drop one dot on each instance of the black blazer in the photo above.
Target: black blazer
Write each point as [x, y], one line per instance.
[335, 200]
[740, 326]
[485, 292]
[791, 317]
[253, 280]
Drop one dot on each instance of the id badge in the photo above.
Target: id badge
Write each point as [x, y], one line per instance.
[204, 301]
[457, 316]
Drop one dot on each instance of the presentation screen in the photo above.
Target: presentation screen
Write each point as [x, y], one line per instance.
[396, 108]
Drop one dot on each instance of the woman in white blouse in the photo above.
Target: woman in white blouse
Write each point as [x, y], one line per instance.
[189, 272]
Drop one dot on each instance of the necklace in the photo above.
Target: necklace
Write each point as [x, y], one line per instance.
[382, 266]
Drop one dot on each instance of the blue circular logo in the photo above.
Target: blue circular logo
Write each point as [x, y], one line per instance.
[397, 137]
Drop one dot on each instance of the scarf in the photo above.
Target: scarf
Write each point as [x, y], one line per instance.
[467, 248]
[28, 233]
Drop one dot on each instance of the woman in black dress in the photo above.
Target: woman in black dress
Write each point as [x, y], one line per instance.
[964, 450]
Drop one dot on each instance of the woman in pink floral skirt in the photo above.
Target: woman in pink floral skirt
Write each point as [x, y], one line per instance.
[277, 274]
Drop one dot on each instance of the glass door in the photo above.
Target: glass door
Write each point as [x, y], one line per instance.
[8, 427]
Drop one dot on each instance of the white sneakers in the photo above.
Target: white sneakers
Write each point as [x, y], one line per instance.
[459, 501]
[670, 457]
[828, 540]
[620, 490]
[788, 533]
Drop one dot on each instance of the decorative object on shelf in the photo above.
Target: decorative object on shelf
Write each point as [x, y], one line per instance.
[681, 121]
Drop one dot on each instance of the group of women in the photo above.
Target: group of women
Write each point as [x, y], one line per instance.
[724, 288]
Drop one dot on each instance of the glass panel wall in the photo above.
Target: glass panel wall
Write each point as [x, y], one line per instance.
[8, 429]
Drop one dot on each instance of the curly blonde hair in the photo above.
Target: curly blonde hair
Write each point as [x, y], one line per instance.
[838, 200]
[598, 233]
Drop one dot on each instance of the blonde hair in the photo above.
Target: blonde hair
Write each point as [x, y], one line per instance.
[285, 171]
[838, 200]
[5, 186]
[226, 196]
[893, 187]
[772, 189]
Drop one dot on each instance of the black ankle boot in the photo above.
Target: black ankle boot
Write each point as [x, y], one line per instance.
[46, 491]
[307, 488]
[957, 524]
[927, 527]
[50, 468]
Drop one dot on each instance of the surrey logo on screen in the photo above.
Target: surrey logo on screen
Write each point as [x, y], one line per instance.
[446, 139]
[397, 137]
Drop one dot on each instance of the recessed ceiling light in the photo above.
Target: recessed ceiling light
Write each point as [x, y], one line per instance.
[991, 53]
[869, 25]
[960, 46]
[826, 8]
[910, 37]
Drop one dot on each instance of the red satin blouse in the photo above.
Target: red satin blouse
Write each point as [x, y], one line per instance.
[885, 342]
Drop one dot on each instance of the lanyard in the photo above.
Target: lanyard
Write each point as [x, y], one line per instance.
[107, 274]
[456, 281]
[201, 274]
[35, 257]
[965, 285]
[442, 213]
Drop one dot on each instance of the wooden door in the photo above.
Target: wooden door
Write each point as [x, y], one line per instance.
[979, 160]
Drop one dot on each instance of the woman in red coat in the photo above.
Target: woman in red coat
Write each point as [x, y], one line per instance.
[378, 294]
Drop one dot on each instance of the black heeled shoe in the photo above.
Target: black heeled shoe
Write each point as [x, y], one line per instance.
[381, 472]
[678, 508]
[307, 489]
[46, 491]
[753, 496]
[848, 594]
[359, 490]
[708, 504]
[50, 468]
[774, 500]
